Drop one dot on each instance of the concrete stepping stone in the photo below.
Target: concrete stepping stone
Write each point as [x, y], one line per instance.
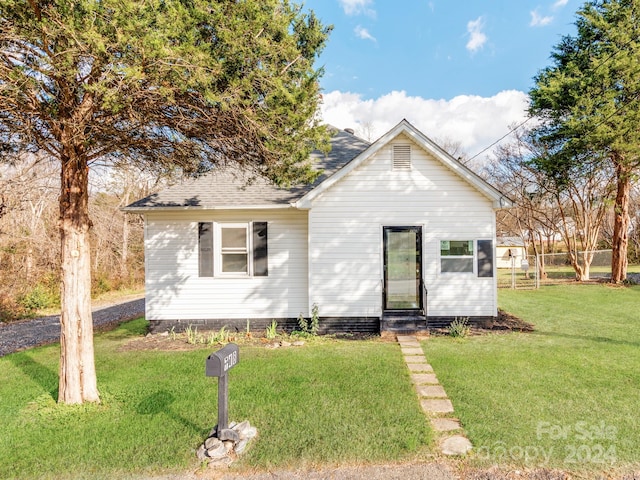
[456, 445]
[419, 367]
[445, 424]
[433, 397]
[437, 405]
[424, 378]
[415, 359]
[432, 391]
[412, 351]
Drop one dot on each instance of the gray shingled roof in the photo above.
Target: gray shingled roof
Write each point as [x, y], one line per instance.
[231, 187]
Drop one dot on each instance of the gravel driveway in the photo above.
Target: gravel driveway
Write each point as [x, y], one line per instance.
[25, 334]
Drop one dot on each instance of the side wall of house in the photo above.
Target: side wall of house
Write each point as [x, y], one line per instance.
[175, 291]
[346, 227]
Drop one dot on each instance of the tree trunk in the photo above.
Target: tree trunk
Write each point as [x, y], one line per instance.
[621, 224]
[77, 368]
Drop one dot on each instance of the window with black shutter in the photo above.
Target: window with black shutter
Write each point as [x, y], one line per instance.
[233, 249]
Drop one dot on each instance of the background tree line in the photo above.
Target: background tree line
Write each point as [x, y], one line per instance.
[29, 237]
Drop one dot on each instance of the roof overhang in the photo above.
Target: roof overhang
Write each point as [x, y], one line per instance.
[182, 208]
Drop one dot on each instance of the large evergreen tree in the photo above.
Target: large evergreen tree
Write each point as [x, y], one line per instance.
[167, 84]
[589, 101]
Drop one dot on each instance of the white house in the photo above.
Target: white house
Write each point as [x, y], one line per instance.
[394, 234]
[510, 252]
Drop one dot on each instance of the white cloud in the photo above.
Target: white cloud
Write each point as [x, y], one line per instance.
[477, 38]
[363, 33]
[560, 4]
[538, 20]
[357, 7]
[476, 122]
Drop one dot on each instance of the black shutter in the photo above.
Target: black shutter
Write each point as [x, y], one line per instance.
[260, 252]
[485, 258]
[205, 249]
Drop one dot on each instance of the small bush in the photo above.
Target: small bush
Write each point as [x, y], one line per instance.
[310, 326]
[459, 328]
[38, 298]
[101, 284]
[271, 331]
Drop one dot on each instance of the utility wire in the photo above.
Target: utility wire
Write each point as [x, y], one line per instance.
[510, 132]
[594, 68]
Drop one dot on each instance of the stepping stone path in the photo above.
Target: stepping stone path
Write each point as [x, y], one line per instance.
[433, 399]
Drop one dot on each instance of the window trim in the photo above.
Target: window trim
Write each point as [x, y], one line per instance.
[472, 257]
[218, 250]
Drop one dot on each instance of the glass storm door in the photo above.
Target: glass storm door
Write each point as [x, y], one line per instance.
[402, 268]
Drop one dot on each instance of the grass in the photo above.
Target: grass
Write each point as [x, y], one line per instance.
[563, 396]
[328, 402]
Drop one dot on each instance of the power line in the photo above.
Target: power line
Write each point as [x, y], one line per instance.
[510, 132]
[593, 69]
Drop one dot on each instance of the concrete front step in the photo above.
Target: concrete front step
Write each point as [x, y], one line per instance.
[404, 325]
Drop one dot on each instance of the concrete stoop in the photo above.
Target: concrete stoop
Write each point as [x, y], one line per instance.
[433, 399]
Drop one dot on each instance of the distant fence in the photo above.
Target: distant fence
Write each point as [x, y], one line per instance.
[553, 269]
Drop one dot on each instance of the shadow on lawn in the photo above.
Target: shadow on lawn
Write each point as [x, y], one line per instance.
[587, 338]
[160, 402]
[42, 375]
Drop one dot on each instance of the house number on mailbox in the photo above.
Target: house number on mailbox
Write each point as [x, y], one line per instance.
[230, 360]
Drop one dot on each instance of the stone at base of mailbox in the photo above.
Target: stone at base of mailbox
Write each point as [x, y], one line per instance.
[221, 453]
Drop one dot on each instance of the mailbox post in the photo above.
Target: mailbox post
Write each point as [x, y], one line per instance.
[218, 365]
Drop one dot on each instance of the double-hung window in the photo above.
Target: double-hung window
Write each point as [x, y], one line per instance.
[460, 256]
[456, 256]
[233, 249]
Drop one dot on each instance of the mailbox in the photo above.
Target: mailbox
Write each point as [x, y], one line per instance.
[218, 365]
[220, 362]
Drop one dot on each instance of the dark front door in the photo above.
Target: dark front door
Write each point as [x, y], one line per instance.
[402, 268]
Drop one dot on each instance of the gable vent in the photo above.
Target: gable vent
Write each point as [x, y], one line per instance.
[402, 157]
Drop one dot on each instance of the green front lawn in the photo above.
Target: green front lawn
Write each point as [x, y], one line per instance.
[566, 395]
[327, 402]
[563, 396]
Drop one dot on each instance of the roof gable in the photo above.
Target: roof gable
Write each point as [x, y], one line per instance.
[404, 127]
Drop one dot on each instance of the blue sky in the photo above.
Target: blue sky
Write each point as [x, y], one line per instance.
[459, 70]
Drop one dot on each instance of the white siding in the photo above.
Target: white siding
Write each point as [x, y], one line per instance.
[174, 290]
[345, 229]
